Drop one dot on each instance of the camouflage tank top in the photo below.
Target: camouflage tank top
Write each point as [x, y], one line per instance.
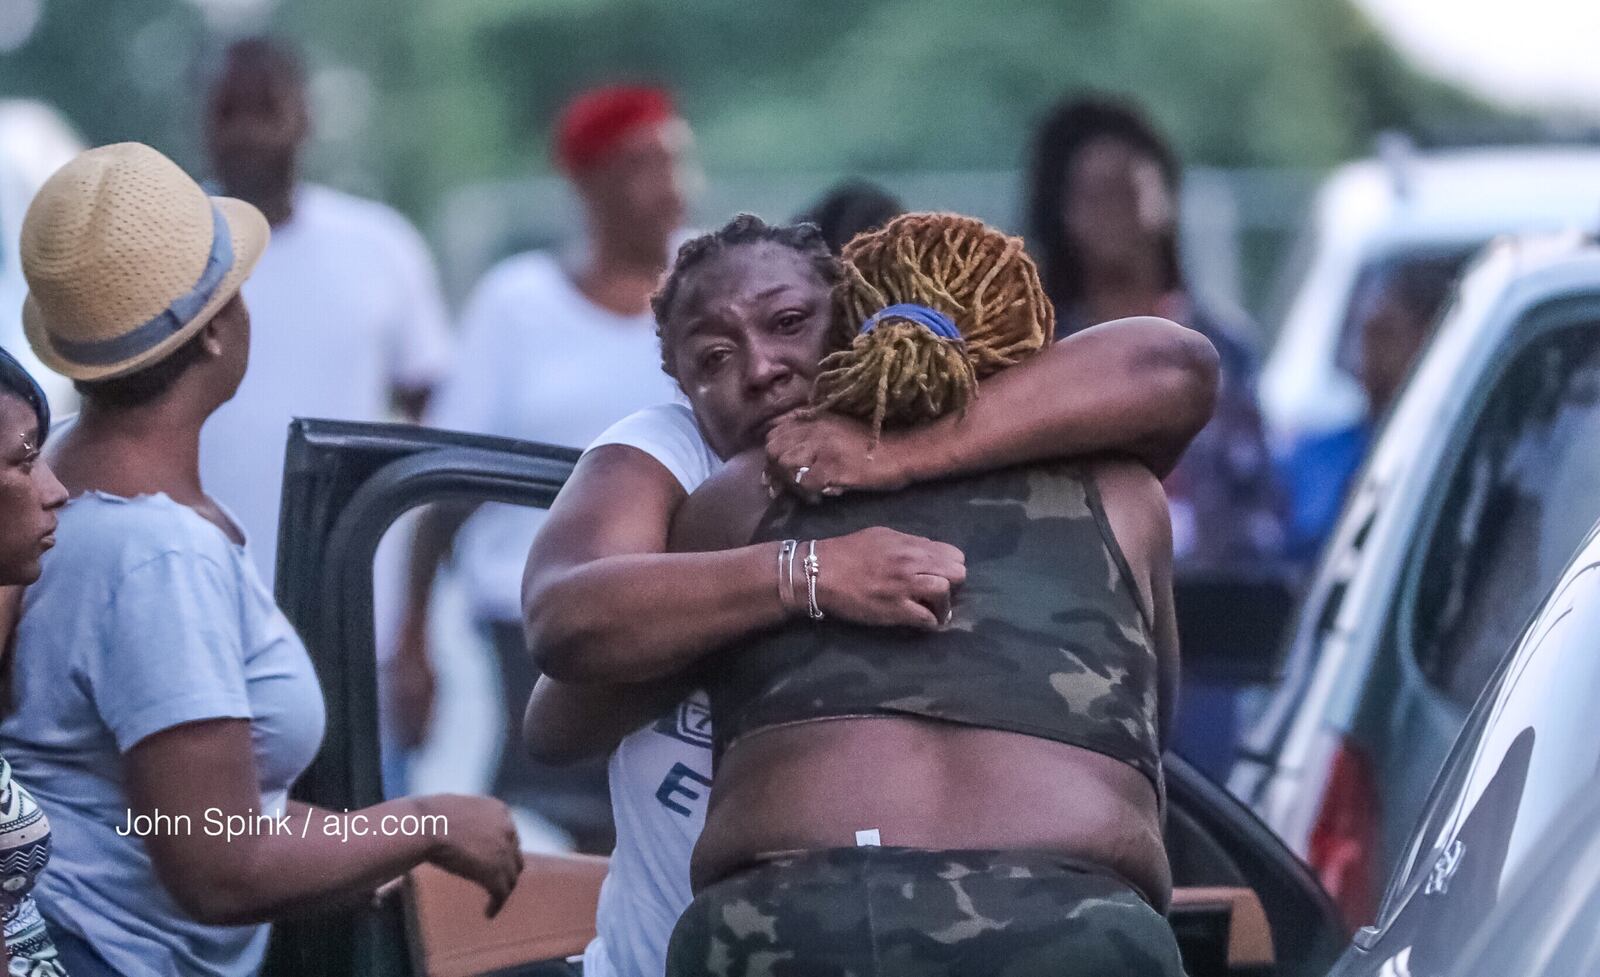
[1049, 637]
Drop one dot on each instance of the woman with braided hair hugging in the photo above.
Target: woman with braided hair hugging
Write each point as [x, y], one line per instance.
[981, 798]
[615, 622]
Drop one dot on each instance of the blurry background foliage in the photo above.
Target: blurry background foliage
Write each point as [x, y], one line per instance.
[416, 99]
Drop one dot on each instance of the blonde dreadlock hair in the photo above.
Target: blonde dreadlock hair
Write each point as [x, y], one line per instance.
[901, 372]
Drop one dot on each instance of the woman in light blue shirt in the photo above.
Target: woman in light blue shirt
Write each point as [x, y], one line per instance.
[165, 703]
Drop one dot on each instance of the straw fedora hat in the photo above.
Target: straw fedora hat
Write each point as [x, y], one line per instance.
[127, 258]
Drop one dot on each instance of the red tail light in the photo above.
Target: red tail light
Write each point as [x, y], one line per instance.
[1344, 841]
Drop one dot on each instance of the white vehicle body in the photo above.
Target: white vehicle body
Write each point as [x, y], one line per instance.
[1352, 680]
[1374, 209]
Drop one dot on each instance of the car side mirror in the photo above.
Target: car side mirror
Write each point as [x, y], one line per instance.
[1231, 624]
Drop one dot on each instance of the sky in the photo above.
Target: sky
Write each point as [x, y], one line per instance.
[1524, 53]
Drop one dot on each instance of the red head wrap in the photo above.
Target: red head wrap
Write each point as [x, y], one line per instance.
[593, 123]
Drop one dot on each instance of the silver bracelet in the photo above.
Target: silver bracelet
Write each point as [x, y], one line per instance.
[786, 595]
[794, 595]
[813, 571]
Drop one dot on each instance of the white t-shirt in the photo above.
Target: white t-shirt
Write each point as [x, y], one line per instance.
[660, 776]
[344, 306]
[540, 362]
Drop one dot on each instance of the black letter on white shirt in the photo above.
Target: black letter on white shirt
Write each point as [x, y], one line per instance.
[673, 784]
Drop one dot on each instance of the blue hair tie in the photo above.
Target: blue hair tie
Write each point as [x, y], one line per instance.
[930, 319]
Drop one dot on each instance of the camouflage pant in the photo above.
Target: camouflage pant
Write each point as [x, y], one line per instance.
[896, 912]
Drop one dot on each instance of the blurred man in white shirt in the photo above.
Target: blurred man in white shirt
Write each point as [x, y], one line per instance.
[554, 352]
[347, 317]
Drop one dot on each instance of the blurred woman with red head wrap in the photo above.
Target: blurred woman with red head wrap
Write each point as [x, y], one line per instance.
[555, 348]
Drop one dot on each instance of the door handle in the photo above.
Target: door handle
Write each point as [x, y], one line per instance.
[1445, 869]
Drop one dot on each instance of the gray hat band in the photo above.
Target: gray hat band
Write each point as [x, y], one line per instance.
[100, 352]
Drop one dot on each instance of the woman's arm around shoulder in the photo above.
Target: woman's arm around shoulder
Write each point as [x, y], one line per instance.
[726, 509]
[605, 602]
[565, 723]
[1142, 387]
[615, 623]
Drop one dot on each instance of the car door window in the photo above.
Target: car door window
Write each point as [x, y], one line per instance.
[1524, 755]
[483, 680]
[1421, 276]
[1525, 491]
[345, 487]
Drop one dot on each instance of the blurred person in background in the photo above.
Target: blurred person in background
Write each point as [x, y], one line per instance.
[154, 675]
[553, 353]
[30, 502]
[1395, 313]
[1102, 220]
[850, 208]
[350, 323]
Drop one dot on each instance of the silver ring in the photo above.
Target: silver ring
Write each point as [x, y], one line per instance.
[800, 473]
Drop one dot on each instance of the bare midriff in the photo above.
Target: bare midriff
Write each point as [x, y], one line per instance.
[932, 785]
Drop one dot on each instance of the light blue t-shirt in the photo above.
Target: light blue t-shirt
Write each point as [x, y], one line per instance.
[146, 617]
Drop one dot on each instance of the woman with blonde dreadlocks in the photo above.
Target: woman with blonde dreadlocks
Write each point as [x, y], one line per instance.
[985, 798]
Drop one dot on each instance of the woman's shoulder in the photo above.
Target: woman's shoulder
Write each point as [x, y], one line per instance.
[1125, 482]
[668, 422]
[124, 532]
[669, 434]
[1132, 497]
[1120, 470]
[724, 511]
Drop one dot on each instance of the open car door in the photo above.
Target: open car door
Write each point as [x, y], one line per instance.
[1245, 905]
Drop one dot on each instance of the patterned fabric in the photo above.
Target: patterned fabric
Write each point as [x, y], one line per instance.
[888, 912]
[1228, 506]
[1049, 638]
[24, 850]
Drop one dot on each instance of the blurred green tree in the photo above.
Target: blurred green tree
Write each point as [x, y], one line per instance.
[839, 85]
[117, 70]
[439, 92]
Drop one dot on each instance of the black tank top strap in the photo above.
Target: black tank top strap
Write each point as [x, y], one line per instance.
[1091, 491]
[1097, 506]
